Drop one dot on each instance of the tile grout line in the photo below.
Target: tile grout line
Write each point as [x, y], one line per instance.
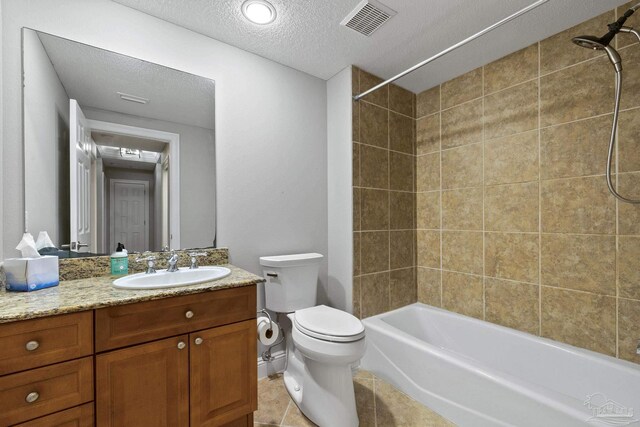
[548, 233]
[567, 178]
[388, 204]
[388, 108]
[382, 148]
[360, 206]
[375, 409]
[541, 127]
[617, 238]
[286, 412]
[566, 67]
[506, 279]
[416, 214]
[440, 190]
[539, 196]
[484, 286]
[385, 189]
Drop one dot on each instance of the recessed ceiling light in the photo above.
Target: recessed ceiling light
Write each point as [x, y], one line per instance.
[259, 11]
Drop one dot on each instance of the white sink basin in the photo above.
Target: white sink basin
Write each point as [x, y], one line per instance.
[164, 279]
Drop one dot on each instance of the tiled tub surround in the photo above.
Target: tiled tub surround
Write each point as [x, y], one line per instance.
[514, 221]
[384, 197]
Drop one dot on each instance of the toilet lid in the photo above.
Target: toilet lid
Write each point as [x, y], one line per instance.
[329, 324]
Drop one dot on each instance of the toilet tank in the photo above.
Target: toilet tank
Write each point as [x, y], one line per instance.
[291, 281]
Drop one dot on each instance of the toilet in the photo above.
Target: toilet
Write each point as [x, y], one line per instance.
[322, 345]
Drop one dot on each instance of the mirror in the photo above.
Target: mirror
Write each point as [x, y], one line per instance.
[109, 143]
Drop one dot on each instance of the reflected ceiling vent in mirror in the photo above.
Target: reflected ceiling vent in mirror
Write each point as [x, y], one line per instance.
[133, 98]
[367, 17]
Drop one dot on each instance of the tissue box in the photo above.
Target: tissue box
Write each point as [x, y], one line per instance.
[31, 274]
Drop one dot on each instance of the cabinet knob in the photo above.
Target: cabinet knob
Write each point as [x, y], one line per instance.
[32, 345]
[181, 345]
[189, 314]
[198, 341]
[32, 397]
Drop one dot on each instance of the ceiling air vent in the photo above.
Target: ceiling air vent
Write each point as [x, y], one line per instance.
[367, 17]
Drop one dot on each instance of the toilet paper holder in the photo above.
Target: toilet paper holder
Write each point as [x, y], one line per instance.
[266, 313]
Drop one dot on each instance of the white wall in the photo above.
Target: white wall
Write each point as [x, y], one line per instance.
[270, 119]
[2, 193]
[197, 174]
[340, 193]
[46, 126]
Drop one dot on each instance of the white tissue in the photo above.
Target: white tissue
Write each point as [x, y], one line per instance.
[28, 246]
[44, 241]
[265, 335]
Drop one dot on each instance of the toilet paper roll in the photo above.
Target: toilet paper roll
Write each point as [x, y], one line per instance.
[265, 335]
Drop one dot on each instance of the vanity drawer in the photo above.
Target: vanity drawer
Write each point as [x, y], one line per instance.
[80, 416]
[131, 324]
[43, 391]
[32, 343]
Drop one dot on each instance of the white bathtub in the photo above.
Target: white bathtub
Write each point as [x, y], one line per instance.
[476, 373]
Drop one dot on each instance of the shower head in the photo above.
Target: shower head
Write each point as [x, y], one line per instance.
[600, 43]
[590, 42]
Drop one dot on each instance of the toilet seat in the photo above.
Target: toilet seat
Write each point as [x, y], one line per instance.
[329, 324]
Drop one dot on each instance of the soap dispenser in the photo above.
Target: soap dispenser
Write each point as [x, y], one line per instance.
[120, 261]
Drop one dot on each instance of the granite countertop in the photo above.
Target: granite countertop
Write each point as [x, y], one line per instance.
[87, 294]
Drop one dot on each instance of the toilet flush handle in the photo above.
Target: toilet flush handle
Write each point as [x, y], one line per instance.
[272, 274]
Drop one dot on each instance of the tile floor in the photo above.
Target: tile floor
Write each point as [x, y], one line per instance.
[379, 405]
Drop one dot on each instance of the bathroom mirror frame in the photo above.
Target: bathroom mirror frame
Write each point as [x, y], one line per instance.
[172, 139]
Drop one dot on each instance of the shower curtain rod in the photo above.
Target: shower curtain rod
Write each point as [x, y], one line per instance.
[452, 48]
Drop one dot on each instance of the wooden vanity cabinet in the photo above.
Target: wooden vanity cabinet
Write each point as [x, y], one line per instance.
[179, 361]
[207, 377]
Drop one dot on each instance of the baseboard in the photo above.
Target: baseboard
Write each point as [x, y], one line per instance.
[275, 366]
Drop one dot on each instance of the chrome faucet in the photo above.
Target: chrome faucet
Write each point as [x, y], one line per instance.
[194, 259]
[173, 262]
[150, 260]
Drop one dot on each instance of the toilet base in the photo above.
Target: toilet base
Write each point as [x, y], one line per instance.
[326, 398]
[323, 392]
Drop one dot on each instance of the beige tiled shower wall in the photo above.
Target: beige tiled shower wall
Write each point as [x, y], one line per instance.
[514, 221]
[383, 197]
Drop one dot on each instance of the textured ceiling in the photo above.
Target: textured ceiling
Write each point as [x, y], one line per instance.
[93, 77]
[307, 34]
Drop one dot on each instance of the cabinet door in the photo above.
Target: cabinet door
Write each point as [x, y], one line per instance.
[223, 374]
[145, 385]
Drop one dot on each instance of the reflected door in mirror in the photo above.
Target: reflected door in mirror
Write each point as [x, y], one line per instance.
[81, 155]
[130, 205]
